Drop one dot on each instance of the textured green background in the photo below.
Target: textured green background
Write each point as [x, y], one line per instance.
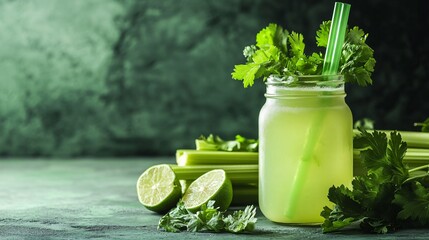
[138, 77]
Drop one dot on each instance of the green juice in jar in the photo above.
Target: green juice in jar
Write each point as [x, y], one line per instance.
[305, 137]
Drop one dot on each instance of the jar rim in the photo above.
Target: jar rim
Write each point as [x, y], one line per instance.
[332, 81]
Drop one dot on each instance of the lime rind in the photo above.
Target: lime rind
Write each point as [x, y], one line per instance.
[213, 185]
[158, 189]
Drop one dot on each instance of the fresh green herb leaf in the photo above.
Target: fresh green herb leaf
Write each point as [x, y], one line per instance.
[241, 220]
[310, 65]
[262, 59]
[322, 35]
[246, 72]
[385, 156]
[215, 143]
[297, 45]
[337, 219]
[265, 57]
[340, 217]
[265, 38]
[176, 220]
[280, 53]
[357, 61]
[413, 198]
[374, 157]
[208, 218]
[371, 202]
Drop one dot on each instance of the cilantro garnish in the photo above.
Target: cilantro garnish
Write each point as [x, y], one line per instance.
[280, 53]
[388, 197]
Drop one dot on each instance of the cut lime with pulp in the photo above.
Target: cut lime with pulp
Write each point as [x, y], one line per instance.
[213, 185]
[158, 188]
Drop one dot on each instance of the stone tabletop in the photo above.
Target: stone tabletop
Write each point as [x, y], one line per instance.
[96, 199]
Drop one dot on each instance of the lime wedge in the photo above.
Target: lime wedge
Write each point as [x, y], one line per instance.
[213, 185]
[158, 188]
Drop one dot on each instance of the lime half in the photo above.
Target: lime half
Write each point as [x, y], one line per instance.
[213, 185]
[158, 188]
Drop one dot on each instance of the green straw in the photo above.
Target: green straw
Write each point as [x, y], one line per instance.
[336, 37]
[330, 67]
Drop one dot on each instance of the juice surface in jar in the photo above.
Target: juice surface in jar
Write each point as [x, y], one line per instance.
[305, 137]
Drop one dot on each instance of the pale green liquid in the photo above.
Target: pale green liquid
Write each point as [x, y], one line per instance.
[284, 127]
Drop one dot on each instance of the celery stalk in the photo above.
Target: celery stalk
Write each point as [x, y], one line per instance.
[236, 173]
[187, 157]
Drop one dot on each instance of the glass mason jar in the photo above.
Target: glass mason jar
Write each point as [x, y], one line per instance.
[305, 146]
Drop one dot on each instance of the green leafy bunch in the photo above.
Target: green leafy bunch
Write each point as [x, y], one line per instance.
[388, 197]
[208, 218]
[280, 53]
[215, 143]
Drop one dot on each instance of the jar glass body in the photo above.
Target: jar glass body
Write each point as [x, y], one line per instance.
[305, 147]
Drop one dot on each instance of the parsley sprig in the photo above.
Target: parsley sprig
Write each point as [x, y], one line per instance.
[208, 218]
[388, 197]
[280, 53]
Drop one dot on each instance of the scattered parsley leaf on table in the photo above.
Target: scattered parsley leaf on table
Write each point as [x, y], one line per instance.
[176, 219]
[241, 220]
[208, 219]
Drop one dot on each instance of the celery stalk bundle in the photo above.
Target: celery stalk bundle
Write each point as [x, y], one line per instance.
[239, 159]
[238, 174]
[242, 167]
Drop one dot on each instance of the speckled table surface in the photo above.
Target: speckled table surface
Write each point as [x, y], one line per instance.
[96, 198]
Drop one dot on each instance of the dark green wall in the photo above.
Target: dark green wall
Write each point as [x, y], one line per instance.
[135, 77]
